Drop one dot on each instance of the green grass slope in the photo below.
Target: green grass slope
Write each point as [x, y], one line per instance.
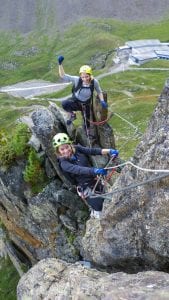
[8, 280]
[133, 94]
[34, 56]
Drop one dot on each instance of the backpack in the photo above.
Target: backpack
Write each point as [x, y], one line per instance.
[79, 86]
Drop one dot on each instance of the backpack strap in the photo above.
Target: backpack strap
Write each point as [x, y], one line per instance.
[79, 85]
[92, 86]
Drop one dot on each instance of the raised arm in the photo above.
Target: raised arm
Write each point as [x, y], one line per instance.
[61, 69]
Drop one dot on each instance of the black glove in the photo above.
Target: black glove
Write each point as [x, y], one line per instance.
[60, 59]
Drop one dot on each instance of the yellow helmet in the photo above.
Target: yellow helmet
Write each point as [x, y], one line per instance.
[85, 69]
[60, 139]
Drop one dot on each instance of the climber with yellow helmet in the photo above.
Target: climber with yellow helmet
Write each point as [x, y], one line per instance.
[82, 92]
[75, 165]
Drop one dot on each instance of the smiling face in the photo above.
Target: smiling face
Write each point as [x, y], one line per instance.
[65, 150]
[85, 78]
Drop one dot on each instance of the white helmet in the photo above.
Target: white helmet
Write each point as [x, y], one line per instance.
[60, 139]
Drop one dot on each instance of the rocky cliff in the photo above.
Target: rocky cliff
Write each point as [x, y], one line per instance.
[51, 223]
[26, 16]
[55, 279]
[134, 229]
[133, 232]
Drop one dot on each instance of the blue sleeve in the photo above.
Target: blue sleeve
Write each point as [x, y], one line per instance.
[75, 169]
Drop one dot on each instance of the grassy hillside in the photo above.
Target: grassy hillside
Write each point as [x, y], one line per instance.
[132, 94]
[8, 280]
[34, 56]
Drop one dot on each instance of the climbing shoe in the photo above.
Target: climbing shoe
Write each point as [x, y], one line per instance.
[95, 214]
[71, 119]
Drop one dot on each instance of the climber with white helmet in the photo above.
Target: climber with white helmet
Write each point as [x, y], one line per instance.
[82, 92]
[75, 165]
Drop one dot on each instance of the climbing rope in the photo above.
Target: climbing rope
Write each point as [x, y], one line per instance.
[140, 168]
[136, 133]
[133, 126]
[100, 177]
[131, 186]
[97, 123]
[93, 195]
[87, 130]
[136, 129]
[85, 124]
[102, 122]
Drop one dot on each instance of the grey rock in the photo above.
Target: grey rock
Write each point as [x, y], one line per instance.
[133, 231]
[68, 223]
[34, 143]
[34, 226]
[55, 279]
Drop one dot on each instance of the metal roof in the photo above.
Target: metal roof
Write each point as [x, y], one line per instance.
[143, 43]
[144, 50]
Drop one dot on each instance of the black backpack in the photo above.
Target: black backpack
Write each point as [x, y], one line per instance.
[79, 86]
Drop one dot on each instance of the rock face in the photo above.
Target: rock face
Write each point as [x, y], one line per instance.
[134, 229]
[55, 279]
[132, 234]
[52, 223]
[25, 16]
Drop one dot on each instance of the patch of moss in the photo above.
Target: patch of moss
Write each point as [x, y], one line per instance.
[34, 173]
[8, 280]
[15, 145]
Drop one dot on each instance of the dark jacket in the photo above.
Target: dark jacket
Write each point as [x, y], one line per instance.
[78, 168]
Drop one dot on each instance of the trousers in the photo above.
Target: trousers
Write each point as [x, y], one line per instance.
[94, 202]
[72, 104]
